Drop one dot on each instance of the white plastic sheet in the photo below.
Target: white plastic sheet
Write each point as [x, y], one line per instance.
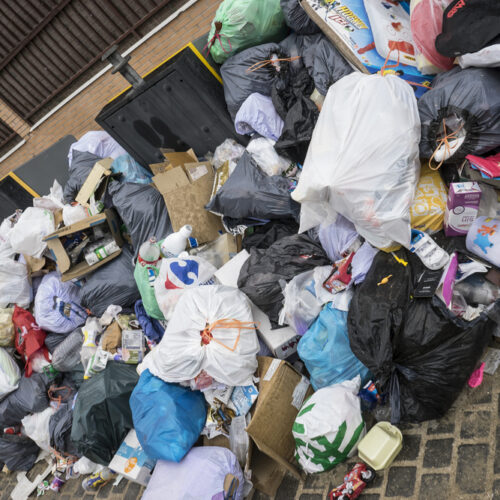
[229, 357]
[263, 152]
[363, 161]
[27, 235]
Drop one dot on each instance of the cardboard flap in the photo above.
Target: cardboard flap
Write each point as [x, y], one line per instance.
[101, 169]
[177, 159]
[171, 180]
[78, 226]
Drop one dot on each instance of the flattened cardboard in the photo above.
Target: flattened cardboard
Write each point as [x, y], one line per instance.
[94, 183]
[62, 258]
[275, 413]
[186, 197]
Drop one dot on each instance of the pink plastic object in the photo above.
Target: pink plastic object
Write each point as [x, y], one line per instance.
[477, 377]
[426, 24]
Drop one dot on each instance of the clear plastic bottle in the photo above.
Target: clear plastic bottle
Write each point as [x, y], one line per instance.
[175, 243]
[149, 252]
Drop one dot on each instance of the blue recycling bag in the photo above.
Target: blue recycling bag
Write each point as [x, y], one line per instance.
[168, 418]
[326, 352]
[130, 170]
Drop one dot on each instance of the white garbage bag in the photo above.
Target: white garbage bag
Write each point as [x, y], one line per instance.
[98, 143]
[362, 161]
[73, 213]
[5, 229]
[178, 274]
[263, 152]
[15, 287]
[36, 427]
[212, 330]
[9, 374]
[27, 235]
[53, 201]
[329, 426]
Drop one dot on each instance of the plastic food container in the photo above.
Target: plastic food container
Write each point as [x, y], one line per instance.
[381, 445]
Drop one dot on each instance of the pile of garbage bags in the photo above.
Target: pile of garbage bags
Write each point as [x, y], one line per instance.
[342, 268]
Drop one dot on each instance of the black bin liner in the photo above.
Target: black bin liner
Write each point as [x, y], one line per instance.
[420, 353]
[18, 453]
[297, 19]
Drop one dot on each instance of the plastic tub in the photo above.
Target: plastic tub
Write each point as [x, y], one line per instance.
[381, 445]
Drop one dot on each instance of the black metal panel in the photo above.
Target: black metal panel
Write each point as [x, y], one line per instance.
[39, 172]
[12, 197]
[182, 105]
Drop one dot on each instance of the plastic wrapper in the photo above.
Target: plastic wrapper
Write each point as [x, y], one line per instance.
[249, 192]
[266, 157]
[263, 271]
[57, 305]
[143, 210]
[166, 438]
[329, 427]
[208, 464]
[239, 24]
[326, 352]
[27, 235]
[468, 101]
[365, 165]
[227, 348]
[419, 352]
[102, 416]
[112, 283]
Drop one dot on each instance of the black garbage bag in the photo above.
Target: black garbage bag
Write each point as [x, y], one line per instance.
[260, 275]
[142, 208]
[249, 192]
[52, 340]
[240, 83]
[80, 168]
[468, 100]
[112, 283]
[30, 397]
[468, 27]
[290, 95]
[60, 424]
[264, 236]
[297, 19]
[18, 453]
[102, 416]
[419, 352]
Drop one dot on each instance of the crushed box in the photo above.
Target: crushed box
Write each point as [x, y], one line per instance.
[109, 218]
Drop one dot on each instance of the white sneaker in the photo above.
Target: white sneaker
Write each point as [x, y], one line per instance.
[429, 252]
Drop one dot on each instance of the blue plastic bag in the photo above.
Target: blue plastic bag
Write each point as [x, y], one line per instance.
[326, 352]
[168, 418]
[131, 170]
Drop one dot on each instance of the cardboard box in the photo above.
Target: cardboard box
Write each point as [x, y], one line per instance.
[461, 207]
[282, 390]
[173, 159]
[96, 182]
[61, 257]
[347, 24]
[186, 190]
[282, 342]
[131, 461]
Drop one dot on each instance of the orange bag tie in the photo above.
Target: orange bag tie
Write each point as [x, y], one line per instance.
[59, 399]
[385, 67]
[265, 62]
[207, 336]
[444, 140]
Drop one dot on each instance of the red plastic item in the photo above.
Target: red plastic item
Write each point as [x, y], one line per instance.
[30, 338]
[354, 483]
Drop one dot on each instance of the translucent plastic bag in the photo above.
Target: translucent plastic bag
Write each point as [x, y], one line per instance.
[6, 327]
[15, 287]
[57, 305]
[97, 142]
[9, 374]
[27, 235]
[36, 427]
[175, 276]
[326, 352]
[131, 170]
[239, 24]
[363, 161]
[263, 152]
[230, 151]
[53, 201]
[211, 329]
[73, 213]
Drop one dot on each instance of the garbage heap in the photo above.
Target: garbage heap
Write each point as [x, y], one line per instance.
[250, 312]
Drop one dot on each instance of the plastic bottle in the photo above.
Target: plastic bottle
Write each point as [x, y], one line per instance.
[149, 253]
[477, 290]
[175, 243]
[99, 478]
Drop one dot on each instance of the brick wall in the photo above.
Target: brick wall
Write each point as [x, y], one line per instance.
[77, 116]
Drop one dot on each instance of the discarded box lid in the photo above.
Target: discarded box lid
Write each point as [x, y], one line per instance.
[381, 445]
[282, 390]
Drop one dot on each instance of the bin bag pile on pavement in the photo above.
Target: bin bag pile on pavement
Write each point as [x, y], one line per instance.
[337, 266]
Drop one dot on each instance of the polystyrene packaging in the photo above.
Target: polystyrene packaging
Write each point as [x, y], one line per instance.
[211, 329]
[363, 160]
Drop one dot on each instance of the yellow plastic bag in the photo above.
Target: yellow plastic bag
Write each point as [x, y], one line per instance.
[6, 327]
[427, 210]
